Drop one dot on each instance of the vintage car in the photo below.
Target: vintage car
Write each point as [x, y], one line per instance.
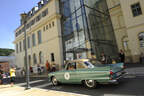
[84, 72]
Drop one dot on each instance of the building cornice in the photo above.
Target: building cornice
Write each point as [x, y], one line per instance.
[135, 26]
[114, 7]
[36, 14]
[37, 26]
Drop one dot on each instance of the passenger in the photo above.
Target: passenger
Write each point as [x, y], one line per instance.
[113, 61]
[71, 68]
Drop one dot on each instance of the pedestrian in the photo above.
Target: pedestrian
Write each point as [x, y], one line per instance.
[39, 69]
[53, 69]
[7, 77]
[47, 66]
[23, 72]
[12, 76]
[31, 69]
[103, 58]
[0, 77]
[4, 78]
[122, 56]
[109, 60]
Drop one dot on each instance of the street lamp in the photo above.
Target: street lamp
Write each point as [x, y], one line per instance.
[24, 21]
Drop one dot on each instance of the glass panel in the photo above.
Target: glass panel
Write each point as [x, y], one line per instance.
[87, 21]
[136, 9]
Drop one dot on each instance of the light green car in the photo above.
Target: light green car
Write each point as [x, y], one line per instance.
[84, 72]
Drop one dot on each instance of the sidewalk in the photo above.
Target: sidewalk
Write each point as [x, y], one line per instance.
[7, 90]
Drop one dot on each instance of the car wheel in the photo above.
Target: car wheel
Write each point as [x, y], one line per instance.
[90, 83]
[54, 81]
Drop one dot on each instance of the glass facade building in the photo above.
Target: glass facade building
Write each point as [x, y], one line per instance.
[87, 29]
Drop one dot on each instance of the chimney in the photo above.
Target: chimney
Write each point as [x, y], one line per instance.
[23, 18]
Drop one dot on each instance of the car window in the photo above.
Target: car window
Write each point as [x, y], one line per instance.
[88, 64]
[71, 66]
[80, 65]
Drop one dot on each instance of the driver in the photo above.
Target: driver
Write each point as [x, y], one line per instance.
[71, 67]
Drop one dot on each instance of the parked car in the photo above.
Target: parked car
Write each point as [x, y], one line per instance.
[84, 72]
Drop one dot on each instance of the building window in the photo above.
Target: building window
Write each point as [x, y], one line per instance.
[41, 58]
[34, 59]
[33, 22]
[28, 40]
[27, 26]
[49, 25]
[20, 46]
[38, 18]
[16, 34]
[44, 13]
[33, 40]
[136, 9]
[16, 48]
[46, 27]
[141, 39]
[22, 30]
[39, 37]
[29, 60]
[53, 24]
[24, 61]
[23, 44]
[52, 57]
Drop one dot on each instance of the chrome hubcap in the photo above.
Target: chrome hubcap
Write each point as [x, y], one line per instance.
[90, 83]
[54, 80]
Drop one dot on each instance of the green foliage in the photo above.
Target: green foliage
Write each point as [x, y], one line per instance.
[5, 52]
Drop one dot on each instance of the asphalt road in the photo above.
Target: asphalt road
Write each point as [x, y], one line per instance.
[131, 85]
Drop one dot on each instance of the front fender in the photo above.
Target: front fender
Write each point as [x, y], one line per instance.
[50, 75]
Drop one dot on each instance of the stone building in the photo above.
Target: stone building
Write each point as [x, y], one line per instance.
[128, 22]
[43, 35]
[59, 30]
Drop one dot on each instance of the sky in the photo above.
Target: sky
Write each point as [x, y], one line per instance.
[10, 11]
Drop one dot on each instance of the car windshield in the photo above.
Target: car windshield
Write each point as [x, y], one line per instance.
[88, 64]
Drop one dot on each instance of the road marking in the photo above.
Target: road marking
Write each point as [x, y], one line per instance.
[44, 85]
[31, 82]
[116, 95]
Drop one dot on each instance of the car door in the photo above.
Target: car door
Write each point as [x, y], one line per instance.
[70, 75]
[81, 71]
